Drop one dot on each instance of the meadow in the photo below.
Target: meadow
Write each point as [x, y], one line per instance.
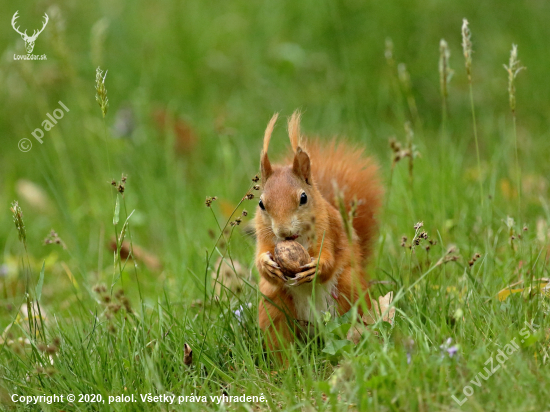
[190, 87]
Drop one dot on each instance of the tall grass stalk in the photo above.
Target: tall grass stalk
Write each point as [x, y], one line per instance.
[467, 48]
[394, 80]
[445, 75]
[513, 68]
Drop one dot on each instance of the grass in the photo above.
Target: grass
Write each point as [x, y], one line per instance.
[218, 72]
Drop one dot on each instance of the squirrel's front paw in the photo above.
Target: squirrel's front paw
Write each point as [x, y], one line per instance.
[271, 268]
[307, 274]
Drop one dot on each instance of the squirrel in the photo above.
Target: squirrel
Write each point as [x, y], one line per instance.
[299, 202]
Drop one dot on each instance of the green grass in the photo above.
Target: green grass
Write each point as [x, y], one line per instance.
[224, 69]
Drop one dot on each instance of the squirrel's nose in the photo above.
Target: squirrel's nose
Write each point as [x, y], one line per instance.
[283, 232]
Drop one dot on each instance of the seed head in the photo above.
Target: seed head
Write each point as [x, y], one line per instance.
[256, 179]
[54, 238]
[99, 289]
[513, 68]
[388, 53]
[18, 220]
[51, 349]
[467, 48]
[404, 76]
[445, 72]
[209, 200]
[101, 91]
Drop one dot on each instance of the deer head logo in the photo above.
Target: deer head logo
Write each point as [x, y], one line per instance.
[29, 40]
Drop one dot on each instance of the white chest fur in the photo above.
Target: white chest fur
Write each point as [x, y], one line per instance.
[309, 303]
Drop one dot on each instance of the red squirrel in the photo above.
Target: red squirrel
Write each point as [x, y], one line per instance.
[298, 203]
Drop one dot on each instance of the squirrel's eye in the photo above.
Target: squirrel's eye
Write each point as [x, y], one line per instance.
[261, 204]
[303, 199]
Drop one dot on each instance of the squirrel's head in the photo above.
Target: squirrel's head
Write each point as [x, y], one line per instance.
[288, 193]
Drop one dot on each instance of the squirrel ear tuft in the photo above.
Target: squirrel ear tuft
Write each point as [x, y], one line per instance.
[265, 165]
[294, 130]
[265, 168]
[302, 165]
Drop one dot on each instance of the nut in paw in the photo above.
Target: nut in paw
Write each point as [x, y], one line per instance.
[291, 255]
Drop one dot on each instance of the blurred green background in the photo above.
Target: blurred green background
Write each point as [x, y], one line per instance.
[191, 86]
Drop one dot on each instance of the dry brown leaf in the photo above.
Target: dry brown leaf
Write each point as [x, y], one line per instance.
[380, 309]
[185, 137]
[187, 355]
[148, 259]
[543, 287]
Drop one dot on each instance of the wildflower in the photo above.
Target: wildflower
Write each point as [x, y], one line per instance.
[240, 311]
[451, 350]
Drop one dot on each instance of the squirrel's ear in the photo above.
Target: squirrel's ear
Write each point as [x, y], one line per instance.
[265, 168]
[302, 165]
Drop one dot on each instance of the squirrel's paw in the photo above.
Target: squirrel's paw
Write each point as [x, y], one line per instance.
[271, 268]
[306, 275]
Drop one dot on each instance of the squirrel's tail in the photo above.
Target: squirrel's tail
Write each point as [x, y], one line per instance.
[356, 176]
[351, 171]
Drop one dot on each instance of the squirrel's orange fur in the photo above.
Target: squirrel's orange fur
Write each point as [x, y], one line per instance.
[298, 202]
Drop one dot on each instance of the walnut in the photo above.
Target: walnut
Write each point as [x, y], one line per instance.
[290, 255]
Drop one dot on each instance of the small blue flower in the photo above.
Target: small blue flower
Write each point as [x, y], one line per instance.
[451, 350]
[240, 312]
